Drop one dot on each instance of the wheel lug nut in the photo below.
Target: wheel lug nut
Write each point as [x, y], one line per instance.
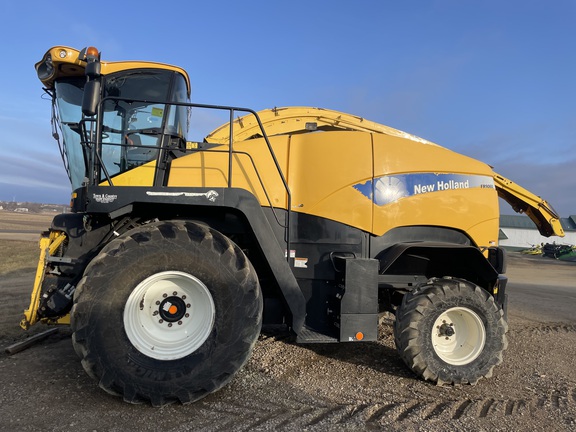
[169, 324]
[179, 322]
[188, 305]
[187, 315]
[183, 297]
[174, 293]
[155, 313]
[166, 295]
[157, 302]
[161, 321]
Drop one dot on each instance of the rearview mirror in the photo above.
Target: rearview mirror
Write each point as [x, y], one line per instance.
[91, 98]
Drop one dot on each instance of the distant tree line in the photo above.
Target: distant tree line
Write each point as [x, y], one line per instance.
[32, 207]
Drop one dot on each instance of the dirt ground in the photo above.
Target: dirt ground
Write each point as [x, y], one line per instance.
[340, 387]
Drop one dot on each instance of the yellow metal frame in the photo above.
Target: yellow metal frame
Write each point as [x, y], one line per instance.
[49, 244]
[524, 201]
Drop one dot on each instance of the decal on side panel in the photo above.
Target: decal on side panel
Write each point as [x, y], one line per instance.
[388, 189]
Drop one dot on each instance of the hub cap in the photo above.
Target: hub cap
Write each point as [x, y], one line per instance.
[458, 336]
[169, 315]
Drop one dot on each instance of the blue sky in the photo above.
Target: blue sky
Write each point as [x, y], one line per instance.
[490, 79]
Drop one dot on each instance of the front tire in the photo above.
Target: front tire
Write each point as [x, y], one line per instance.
[450, 331]
[169, 312]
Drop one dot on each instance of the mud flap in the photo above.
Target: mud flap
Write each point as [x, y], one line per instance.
[359, 303]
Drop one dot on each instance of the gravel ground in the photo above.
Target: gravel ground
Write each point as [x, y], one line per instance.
[318, 387]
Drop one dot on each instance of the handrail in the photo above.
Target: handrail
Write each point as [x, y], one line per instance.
[232, 110]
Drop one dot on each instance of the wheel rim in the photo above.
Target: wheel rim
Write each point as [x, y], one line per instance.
[458, 336]
[169, 315]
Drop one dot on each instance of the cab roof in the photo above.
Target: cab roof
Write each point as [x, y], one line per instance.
[62, 61]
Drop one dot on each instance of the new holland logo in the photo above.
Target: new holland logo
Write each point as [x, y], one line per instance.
[392, 188]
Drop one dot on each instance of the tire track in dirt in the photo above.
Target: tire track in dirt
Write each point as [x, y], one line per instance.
[301, 415]
[557, 328]
[545, 328]
[408, 404]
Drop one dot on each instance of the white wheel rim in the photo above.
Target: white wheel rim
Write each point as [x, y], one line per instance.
[458, 336]
[169, 315]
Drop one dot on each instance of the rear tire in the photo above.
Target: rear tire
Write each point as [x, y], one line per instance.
[169, 312]
[450, 331]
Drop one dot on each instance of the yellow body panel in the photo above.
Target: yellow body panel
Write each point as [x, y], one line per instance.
[210, 169]
[468, 210]
[320, 170]
[324, 167]
[413, 156]
[458, 193]
[395, 155]
[330, 175]
[140, 176]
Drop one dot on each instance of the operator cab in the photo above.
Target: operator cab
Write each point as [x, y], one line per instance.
[137, 114]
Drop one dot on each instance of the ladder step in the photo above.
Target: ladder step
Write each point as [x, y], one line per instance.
[307, 335]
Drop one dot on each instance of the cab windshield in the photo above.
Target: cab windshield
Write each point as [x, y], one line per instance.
[135, 121]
